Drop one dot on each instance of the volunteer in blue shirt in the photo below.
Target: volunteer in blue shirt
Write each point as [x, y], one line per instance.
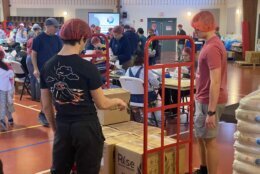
[45, 46]
[132, 37]
[120, 47]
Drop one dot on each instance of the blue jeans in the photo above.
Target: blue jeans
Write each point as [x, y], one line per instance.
[35, 87]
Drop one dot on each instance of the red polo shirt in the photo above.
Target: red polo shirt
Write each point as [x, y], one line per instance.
[213, 55]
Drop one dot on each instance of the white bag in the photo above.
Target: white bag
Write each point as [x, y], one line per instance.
[246, 115]
[248, 127]
[249, 159]
[245, 168]
[251, 101]
[241, 147]
[250, 139]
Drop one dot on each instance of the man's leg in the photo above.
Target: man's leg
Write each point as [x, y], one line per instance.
[212, 155]
[42, 118]
[32, 78]
[202, 152]
[200, 133]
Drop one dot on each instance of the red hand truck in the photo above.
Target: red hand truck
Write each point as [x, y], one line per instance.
[162, 108]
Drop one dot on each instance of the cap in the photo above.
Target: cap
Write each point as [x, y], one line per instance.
[75, 29]
[203, 21]
[36, 27]
[52, 21]
[21, 25]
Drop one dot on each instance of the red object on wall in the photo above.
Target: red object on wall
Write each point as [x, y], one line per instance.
[245, 37]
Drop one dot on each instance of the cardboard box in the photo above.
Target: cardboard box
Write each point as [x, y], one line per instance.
[252, 57]
[110, 132]
[107, 117]
[135, 128]
[108, 159]
[129, 158]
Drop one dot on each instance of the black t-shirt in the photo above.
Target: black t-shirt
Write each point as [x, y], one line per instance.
[181, 32]
[70, 79]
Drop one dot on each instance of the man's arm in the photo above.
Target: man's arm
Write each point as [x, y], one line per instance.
[215, 81]
[48, 107]
[36, 71]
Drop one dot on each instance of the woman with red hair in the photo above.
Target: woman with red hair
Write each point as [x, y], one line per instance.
[74, 85]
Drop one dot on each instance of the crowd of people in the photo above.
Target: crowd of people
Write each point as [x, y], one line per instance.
[74, 85]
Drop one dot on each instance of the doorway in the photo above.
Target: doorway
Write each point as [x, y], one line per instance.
[165, 26]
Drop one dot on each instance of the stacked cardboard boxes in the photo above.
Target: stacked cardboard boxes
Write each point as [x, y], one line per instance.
[252, 57]
[129, 156]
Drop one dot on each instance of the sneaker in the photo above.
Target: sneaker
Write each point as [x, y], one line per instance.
[11, 122]
[3, 125]
[42, 119]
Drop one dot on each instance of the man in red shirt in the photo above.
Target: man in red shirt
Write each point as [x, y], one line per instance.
[211, 86]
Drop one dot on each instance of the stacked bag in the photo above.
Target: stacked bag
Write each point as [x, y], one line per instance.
[247, 144]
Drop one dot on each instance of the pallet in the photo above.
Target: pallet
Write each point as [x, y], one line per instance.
[244, 63]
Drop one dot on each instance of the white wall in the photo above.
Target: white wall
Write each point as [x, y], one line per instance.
[59, 6]
[170, 9]
[238, 6]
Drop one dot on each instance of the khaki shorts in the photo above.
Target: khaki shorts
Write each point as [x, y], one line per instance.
[200, 118]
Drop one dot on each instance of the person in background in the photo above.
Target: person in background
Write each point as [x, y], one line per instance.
[132, 37]
[29, 30]
[137, 71]
[35, 88]
[211, 91]
[142, 39]
[21, 35]
[153, 48]
[110, 33]
[13, 33]
[181, 42]
[217, 32]
[11, 45]
[44, 46]
[6, 93]
[154, 27]
[99, 61]
[185, 71]
[120, 48]
[172, 95]
[92, 27]
[2, 34]
[73, 85]
[97, 29]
